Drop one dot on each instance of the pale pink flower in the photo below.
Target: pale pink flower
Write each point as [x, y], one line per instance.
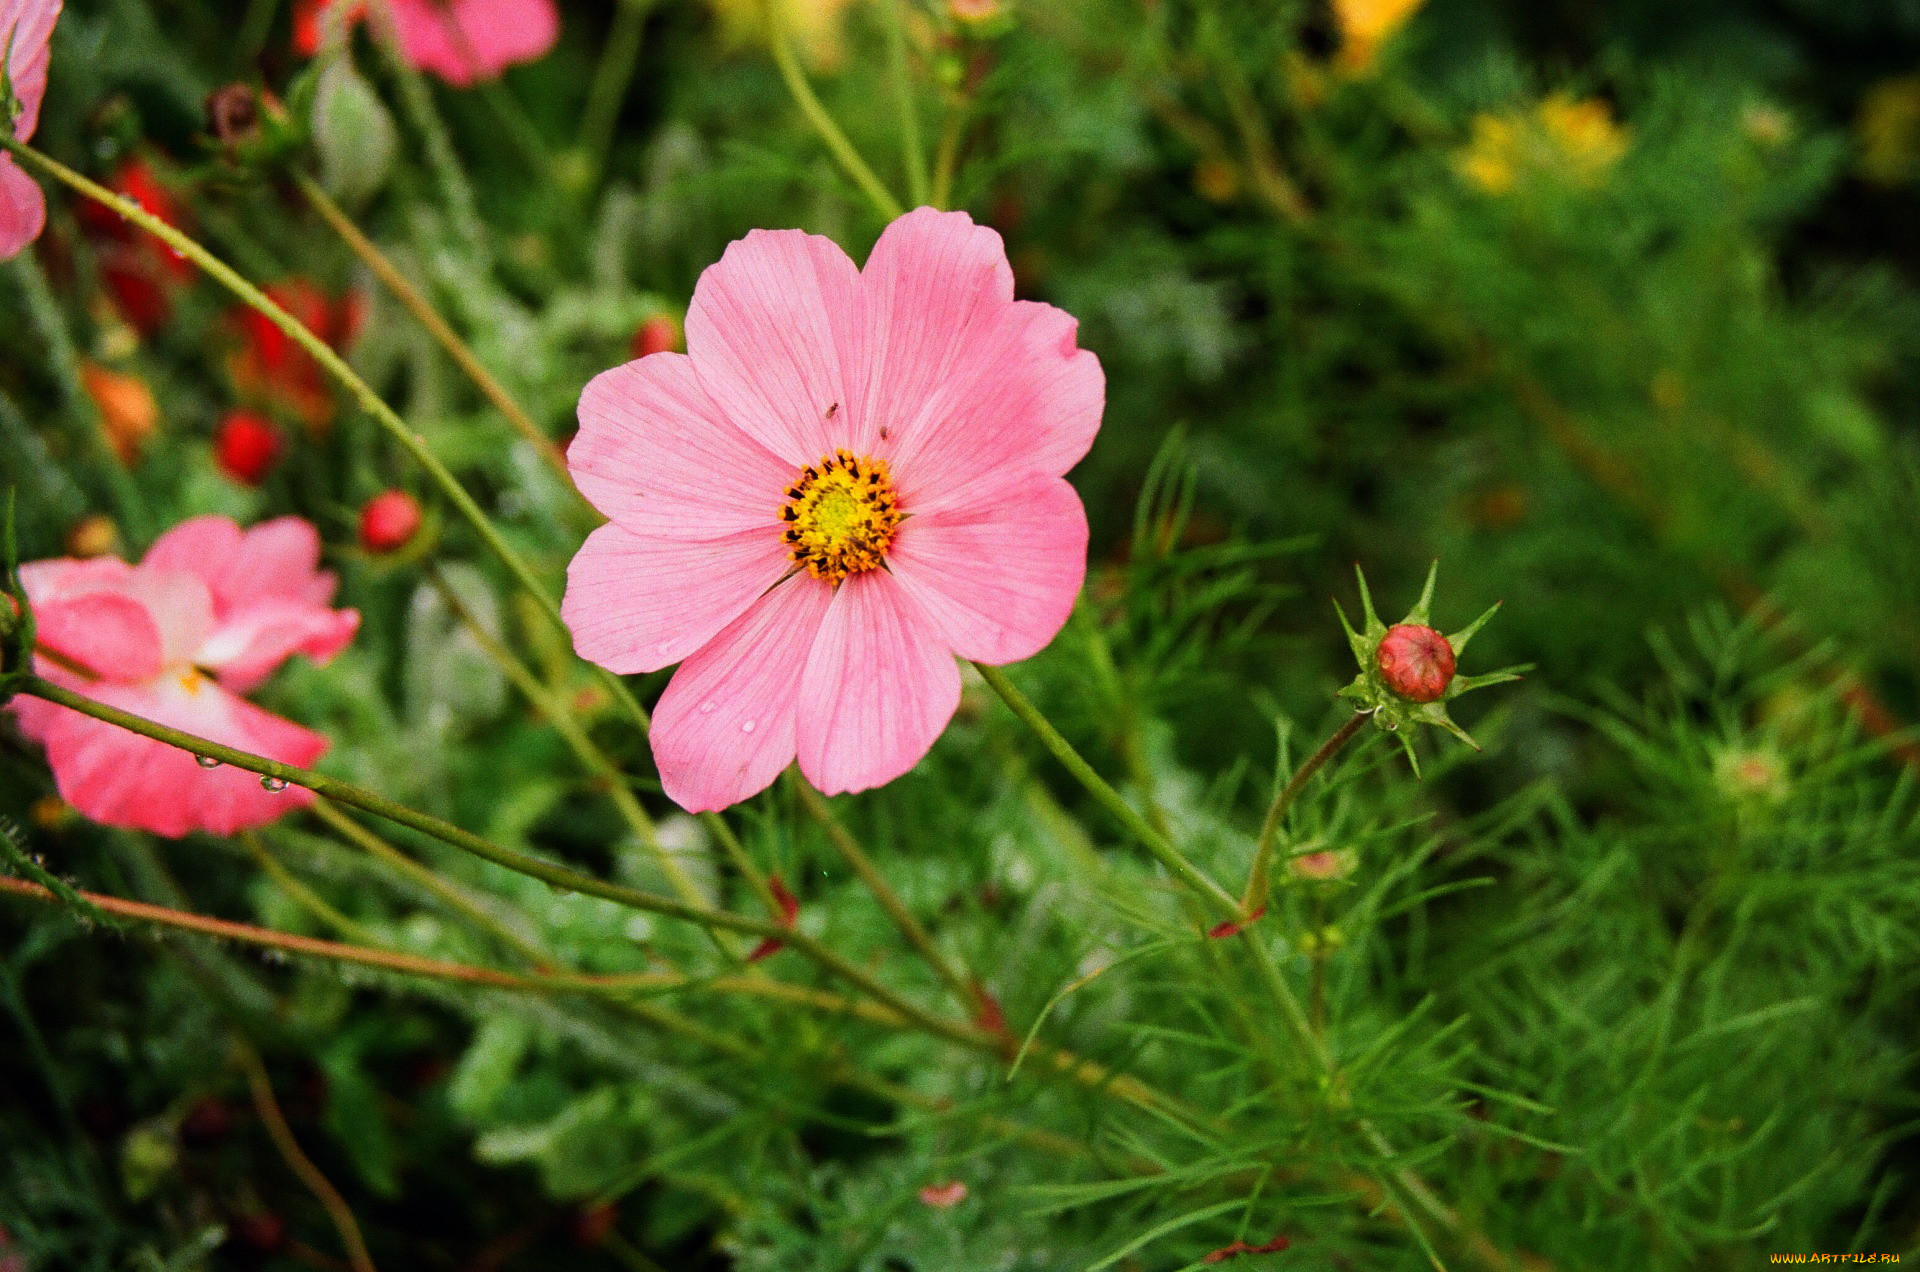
[26, 27]
[461, 41]
[208, 615]
[849, 479]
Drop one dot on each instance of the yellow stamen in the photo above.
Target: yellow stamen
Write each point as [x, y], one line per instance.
[841, 516]
[191, 680]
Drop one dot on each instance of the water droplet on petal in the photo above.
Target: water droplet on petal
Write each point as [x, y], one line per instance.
[274, 784]
[708, 708]
[746, 726]
[206, 761]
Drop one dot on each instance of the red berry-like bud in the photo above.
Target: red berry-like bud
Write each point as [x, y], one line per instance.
[389, 521]
[658, 334]
[1416, 662]
[246, 445]
[592, 1225]
[207, 1122]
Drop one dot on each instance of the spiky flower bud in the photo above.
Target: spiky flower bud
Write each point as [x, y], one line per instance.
[233, 115]
[1408, 671]
[1416, 662]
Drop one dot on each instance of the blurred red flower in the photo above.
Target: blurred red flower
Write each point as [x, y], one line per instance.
[270, 370]
[139, 271]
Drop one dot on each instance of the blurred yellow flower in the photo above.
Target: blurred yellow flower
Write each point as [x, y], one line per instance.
[1365, 26]
[816, 28]
[1561, 137]
[1888, 130]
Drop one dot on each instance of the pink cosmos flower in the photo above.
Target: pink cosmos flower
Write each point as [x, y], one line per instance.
[461, 41]
[26, 27]
[850, 478]
[208, 615]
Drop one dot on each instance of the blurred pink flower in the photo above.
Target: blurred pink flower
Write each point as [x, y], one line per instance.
[208, 615]
[850, 478]
[461, 41]
[26, 26]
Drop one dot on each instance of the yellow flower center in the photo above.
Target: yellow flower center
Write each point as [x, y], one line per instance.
[841, 516]
[191, 680]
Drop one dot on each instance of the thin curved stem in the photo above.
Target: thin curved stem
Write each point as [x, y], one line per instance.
[965, 989]
[1138, 826]
[303, 896]
[1277, 811]
[454, 897]
[836, 141]
[912, 155]
[557, 876]
[282, 1135]
[415, 303]
[610, 80]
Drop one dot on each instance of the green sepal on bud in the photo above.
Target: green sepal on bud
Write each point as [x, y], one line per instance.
[1400, 698]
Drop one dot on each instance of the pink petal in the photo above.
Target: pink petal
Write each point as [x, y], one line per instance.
[109, 633]
[26, 29]
[934, 281]
[998, 575]
[656, 456]
[967, 382]
[277, 558]
[774, 335]
[269, 596]
[23, 209]
[724, 728]
[251, 645]
[120, 778]
[178, 609]
[1021, 397]
[637, 603]
[880, 686]
[474, 40]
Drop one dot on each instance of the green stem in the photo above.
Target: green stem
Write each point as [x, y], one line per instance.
[947, 155]
[416, 98]
[558, 877]
[610, 80]
[911, 153]
[1257, 878]
[1110, 799]
[303, 896]
[454, 897]
[335, 365]
[836, 141]
[416, 303]
[964, 989]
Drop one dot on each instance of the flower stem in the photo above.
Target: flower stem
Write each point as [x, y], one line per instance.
[1110, 799]
[911, 153]
[1257, 878]
[965, 990]
[558, 877]
[557, 713]
[610, 80]
[454, 897]
[416, 98]
[422, 309]
[836, 141]
[282, 1135]
[303, 896]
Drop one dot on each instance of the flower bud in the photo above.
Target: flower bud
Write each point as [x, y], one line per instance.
[246, 446]
[1416, 662]
[658, 334]
[233, 115]
[944, 1196]
[389, 521]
